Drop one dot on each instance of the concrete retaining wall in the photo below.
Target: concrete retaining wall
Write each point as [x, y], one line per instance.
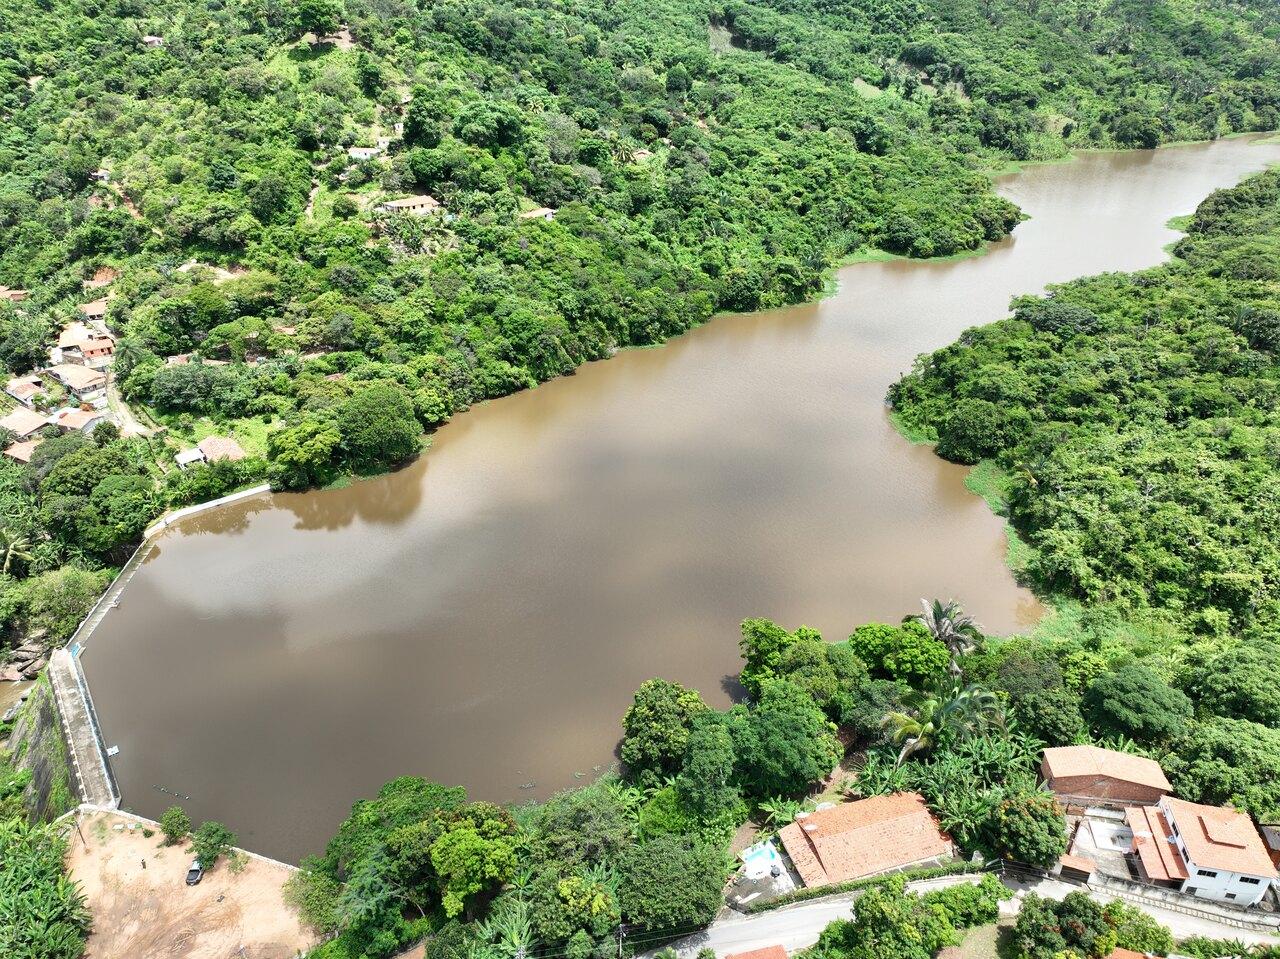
[170, 518]
[80, 728]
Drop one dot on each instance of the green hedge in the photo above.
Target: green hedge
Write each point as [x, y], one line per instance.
[835, 889]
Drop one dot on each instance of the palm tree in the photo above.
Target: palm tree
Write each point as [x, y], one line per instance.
[15, 547]
[780, 810]
[928, 715]
[950, 625]
[129, 353]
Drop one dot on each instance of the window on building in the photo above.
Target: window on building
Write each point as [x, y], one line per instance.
[1250, 880]
[1191, 890]
[1231, 895]
[1206, 872]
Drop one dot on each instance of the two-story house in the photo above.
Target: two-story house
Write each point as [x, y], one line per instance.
[1212, 852]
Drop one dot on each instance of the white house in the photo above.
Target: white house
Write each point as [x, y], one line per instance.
[84, 383]
[420, 205]
[363, 153]
[74, 418]
[186, 458]
[1212, 852]
[540, 213]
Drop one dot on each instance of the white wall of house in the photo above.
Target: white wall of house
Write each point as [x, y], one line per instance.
[1234, 887]
[1221, 885]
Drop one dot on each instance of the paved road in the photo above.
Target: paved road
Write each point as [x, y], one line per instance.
[797, 927]
[792, 927]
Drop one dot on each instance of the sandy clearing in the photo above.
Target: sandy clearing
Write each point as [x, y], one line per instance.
[151, 912]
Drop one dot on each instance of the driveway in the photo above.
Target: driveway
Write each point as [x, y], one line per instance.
[130, 425]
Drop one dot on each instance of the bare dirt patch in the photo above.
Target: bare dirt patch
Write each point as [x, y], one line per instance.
[151, 911]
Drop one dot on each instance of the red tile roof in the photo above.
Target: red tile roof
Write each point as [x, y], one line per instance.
[22, 421]
[1065, 762]
[1153, 842]
[764, 952]
[1078, 863]
[863, 838]
[1218, 837]
[22, 451]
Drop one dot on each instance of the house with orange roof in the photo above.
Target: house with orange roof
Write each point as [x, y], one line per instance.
[1213, 852]
[25, 389]
[95, 309]
[1093, 776]
[74, 418]
[85, 383]
[864, 838]
[22, 451]
[22, 422]
[765, 952]
[419, 205]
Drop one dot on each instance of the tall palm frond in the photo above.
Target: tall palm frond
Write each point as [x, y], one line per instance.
[950, 625]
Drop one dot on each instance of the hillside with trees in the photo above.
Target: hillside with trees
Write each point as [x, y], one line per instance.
[586, 178]
[1128, 424]
[1135, 419]
[219, 184]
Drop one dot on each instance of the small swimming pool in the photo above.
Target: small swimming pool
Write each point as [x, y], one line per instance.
[760, 859]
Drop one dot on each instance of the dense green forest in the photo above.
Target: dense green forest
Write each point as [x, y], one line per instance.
[230, 160]
[700, 156]
[1136, 418]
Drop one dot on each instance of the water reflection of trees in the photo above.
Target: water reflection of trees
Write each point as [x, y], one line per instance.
[386, 500]
[229, 520]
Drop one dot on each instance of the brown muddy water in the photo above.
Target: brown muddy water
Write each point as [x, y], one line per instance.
[483, 616]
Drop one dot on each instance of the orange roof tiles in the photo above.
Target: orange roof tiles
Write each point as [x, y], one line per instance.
[95, 308]
[1064, 762]
[76, 419]
[22, 421]
[1078, 863]
[1217, 837]
[765, 952]
[1153, 842]
[863, 838]
[78, 377]
[22, 451]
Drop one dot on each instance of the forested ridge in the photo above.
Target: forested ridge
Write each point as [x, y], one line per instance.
[221, 167]
[1136, 417]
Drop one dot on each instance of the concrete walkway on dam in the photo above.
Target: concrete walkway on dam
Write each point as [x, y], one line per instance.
[80, 729]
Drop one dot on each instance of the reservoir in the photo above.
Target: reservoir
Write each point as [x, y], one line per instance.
[483, 616]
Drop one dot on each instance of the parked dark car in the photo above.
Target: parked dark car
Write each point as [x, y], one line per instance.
[195, 873]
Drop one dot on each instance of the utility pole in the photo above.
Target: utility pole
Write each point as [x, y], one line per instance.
[622, 934]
